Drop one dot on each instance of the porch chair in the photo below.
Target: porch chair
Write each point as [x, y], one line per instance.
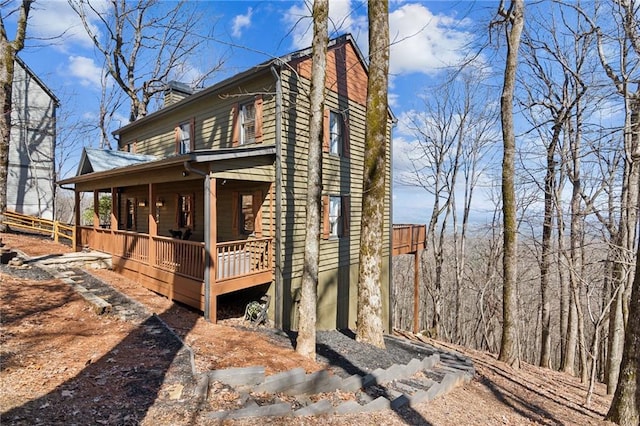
[256, 312]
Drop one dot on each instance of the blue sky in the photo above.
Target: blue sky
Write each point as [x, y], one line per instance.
[427, 37]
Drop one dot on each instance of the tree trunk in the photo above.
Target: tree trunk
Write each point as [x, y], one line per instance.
[306, 343]
[369, 317]
[509, 343]
[626, 238]
[625, 409]
[8, 51]
[546, 255]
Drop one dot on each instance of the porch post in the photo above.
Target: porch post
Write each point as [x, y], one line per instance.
[115, 207]
[153, 225]
[96, 208]
[211, 250]
[416, 291]
[77, 219]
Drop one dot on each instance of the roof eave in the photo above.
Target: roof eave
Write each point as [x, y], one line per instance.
[195, 157]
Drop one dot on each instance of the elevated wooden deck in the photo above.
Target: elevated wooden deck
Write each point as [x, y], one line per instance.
[409, 238]
[176, 268]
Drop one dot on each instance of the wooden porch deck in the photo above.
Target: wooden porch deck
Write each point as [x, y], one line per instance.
[176, 268]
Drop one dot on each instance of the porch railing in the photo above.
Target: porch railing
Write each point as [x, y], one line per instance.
[181, 257]
[243, 257]
[187, 258]
[43, 226]
[408, 238]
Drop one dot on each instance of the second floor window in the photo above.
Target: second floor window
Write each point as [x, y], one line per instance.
[184, 137]
[247, 123]
[336, 131]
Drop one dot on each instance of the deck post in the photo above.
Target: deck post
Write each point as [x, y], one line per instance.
[210, 239]
[77, 221]
[153, 225]
[115, 207]
[416, 291]
[96, 209]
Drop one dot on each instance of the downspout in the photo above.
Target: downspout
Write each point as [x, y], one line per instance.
[279, 291]
[207, 233]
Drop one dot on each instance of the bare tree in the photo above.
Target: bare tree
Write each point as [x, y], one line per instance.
[8, 50]
[452, 136]
[369, 316]
[624, 408]
[306, 343]
[623, 39]
[513, 20]
[143, 44]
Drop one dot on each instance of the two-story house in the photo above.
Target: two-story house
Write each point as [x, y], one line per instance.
[31, 171]
[209, 191]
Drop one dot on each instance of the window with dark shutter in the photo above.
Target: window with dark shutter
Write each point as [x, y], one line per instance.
[185, 211]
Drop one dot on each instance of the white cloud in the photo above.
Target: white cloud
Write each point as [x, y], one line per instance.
[85, 70]
[342, 19]
[55, 23]
[241, 22]
[424, 42]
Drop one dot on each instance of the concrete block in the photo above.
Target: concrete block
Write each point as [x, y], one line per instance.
[202, 387]
[380, 375]
[351, 383]
[281, 409]
[413, 367]
[400, 401]
[349, 407]
[321, 407]
[396, 372]
[238, 376]
[429, 361]
[282, 381]
[450, 381]
[378, 404]
[418, 397]
[98, 305]
[434, 391]
[318, 382]
[369, 380]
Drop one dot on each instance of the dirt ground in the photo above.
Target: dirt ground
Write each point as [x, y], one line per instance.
[62, 364]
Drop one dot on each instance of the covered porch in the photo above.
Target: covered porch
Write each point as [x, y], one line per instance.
[191, 230]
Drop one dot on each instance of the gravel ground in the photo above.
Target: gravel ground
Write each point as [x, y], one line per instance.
[346, 356]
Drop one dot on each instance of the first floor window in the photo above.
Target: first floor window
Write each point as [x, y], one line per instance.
[247, 215]
[131, 213]
[335, 213]
[335, 216]
[185, 211]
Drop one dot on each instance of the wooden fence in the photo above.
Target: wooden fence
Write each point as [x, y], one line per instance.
[41, 226]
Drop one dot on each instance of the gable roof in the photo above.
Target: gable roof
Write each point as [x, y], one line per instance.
[263, 67]
[100, 160]
[33, 75]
